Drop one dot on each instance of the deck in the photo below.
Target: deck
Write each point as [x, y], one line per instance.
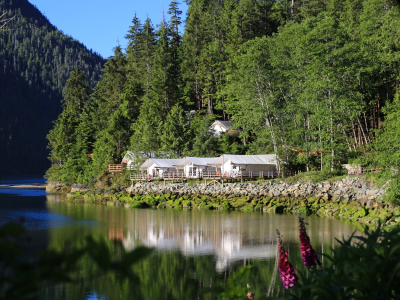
[207, 175]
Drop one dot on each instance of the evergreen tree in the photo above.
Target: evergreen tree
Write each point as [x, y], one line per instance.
[66, 142]
[146, 129]
[175, 43]
[161, 82]
[108, 92]
[203, 142]
[173, 131]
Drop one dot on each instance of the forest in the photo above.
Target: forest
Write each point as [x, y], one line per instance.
[313, 81]
[36, 60]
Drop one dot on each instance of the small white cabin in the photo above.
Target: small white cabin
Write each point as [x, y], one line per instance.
[195, 166]
[220, 127]
[155, 167]
[230, 165]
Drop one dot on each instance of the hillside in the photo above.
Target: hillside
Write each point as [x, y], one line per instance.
[36, 60]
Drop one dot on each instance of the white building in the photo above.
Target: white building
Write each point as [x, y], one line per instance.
[155, 167]
[220, 127]
[230, 165]
[195, 166]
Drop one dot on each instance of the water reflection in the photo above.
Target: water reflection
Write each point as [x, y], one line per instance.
[193, 248]
[228, 236]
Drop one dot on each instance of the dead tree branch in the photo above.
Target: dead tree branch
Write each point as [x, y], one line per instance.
[5, 21]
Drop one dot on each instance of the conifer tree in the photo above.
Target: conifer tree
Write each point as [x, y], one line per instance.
[161, 82]
[173, 131]
[65, 134]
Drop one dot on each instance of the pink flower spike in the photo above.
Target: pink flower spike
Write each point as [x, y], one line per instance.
[286, 269]
[309, 256]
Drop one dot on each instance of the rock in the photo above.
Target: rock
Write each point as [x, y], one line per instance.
[80, 188]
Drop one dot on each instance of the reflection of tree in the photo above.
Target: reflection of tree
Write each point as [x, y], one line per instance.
[5, 21]
[176, 274]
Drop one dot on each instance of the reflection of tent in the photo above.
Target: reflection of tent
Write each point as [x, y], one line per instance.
[230, 162]
[156, 166]
[194, 165]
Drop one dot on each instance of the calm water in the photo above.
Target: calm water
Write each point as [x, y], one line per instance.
[194, 249]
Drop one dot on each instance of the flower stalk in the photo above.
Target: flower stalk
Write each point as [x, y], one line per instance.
[309, 256]
[286, 270]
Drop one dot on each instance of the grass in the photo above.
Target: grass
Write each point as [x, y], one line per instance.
[317, 176]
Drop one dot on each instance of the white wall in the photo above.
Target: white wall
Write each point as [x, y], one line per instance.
[218, 130]
[228, 167]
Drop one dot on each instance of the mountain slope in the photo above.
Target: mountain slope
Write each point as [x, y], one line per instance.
[35, 62]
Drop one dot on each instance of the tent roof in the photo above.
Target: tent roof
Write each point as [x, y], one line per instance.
[160, 162]
[225, 124]
[197, 161]
[262, 159]
[129, 156]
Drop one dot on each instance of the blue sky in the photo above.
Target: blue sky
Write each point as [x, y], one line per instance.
[101, 24]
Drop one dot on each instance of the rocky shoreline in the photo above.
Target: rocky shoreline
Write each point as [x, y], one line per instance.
[352, 198]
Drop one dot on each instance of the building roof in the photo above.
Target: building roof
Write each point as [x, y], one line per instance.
[129, 156]
[197, 161]
[226, 124]
[160, 162]
[135, 157]
[261, 159]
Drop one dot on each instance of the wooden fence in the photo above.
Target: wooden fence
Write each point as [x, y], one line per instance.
[114, 168]
[362, 170]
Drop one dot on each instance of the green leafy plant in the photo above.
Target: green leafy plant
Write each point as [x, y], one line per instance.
[363, 267]
[22, 278]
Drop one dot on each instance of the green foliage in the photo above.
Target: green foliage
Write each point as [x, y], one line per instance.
[72, 137]
[22, 279]
[173, 131]
[204, 142]
[317, 176]
[363, 267]
[386, 150]
[234, 288]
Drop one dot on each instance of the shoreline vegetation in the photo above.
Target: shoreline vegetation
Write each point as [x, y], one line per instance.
[351, 198]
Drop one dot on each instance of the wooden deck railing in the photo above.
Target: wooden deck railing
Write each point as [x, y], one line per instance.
[205, 175]
[113, 168]
[173, 175]
[362, 170]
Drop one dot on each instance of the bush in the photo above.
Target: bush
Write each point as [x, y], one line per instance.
[363, 267]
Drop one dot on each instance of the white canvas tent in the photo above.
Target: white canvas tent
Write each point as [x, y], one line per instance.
[195, 166]
[219, 127]
[155, 167]
[133, 159]
[229, 164]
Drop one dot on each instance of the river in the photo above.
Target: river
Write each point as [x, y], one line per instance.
[193, 248]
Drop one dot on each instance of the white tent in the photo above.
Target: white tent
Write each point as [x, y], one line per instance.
[157, 166]
[220, 127]
[133, 159]
[194, 166]
[231, 164]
